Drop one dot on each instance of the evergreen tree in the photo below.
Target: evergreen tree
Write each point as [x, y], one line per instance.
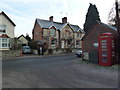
[91, 17]
[28, 37]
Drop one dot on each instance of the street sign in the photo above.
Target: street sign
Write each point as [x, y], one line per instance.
[41, 42]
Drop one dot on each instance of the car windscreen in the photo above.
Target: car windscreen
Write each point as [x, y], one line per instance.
[26, 48]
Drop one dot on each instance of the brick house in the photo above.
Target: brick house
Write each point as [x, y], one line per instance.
[90, 39]
[56, 34]
[6, 31]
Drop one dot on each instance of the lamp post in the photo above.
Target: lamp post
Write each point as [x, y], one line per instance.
[118, 30]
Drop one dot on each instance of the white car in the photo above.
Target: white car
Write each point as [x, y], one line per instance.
[26, 49]
[79, 53]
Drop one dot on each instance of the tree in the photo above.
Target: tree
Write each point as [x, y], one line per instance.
[112, 15]
[28, 37]
[33, 44]
[15, 44]
[91, 17]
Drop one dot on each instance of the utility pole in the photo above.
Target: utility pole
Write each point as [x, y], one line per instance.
[118, 30]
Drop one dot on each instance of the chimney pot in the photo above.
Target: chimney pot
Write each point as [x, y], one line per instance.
[51, 18]
[64, 20]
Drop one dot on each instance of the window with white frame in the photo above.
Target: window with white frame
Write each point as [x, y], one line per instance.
[52, 32]
[4, 43]
[69, 42]
[45, 32]
[67, 33]
[2, 28]
[53, 42]
[78, 34]
[77, 42]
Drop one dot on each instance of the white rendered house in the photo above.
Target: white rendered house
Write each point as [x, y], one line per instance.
[6, 31]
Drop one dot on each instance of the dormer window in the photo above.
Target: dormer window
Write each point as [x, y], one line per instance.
[2, 28]
[52, 32]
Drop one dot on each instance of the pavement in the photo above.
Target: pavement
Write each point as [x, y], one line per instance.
[33, 55]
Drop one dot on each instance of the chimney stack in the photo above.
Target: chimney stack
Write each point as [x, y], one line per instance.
[51, 18]
[64, 20]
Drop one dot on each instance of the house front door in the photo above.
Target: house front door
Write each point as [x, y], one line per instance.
[62, 44]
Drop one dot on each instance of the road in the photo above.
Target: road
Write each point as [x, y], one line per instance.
[61, 71]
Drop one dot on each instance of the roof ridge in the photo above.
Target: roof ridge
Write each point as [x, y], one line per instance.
[42, 19]
[57, 22]
[58, 25]
[3, 13]
[109, 26]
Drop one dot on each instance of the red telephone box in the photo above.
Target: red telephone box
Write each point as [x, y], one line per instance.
[106, 49]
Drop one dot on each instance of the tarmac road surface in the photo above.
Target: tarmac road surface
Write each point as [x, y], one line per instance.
[61, 71]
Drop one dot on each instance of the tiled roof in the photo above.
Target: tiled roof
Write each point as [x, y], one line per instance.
[58, 25]
[76, 28]
[108, 26]
[21, 36]
[4, 36]
[102, 24]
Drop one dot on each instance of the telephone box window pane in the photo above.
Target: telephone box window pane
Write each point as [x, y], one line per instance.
[104, 55]
[104, 49]
[104, 46]
[104, 41]
[104, 52]
[104, 59]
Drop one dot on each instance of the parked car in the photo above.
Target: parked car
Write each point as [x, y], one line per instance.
[79, 53]
[26, 49]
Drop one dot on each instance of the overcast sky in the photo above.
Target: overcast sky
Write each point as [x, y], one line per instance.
[24, 12]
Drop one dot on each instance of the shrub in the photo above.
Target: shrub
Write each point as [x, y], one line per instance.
[33, 44]
[50, 51]
[15, 44]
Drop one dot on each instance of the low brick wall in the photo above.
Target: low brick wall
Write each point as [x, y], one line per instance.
[76, 49]
[35, 52]
[54, 51]
[10, 53]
